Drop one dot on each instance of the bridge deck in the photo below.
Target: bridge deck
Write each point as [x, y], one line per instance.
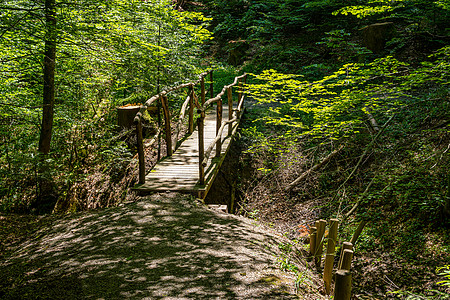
[180, 172]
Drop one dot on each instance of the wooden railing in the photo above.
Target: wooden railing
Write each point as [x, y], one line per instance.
[171, 139]
[234, 115]
[188, 106]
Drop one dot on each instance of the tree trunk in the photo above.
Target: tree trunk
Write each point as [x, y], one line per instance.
[45, 195]
[49, 78]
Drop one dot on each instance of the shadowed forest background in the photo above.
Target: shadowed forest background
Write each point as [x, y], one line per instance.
[367, 79]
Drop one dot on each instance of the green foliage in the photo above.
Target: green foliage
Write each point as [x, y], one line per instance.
[110, 52]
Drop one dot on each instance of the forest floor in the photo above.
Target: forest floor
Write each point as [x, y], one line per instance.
[164, 246]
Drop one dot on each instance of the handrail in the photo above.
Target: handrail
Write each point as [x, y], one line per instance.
[219, 95]
[216, 139]
[162, 96]
[234, 115]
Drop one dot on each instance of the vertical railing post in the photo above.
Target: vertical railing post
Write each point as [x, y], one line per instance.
[201, 146]
[218, 125]
[343, 285]
[140, 146]
[230, 109]
[165, 105]
[202, 93]
[191, 109]
[211, 85]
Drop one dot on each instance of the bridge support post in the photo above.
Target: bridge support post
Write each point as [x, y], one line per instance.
[165, 105]
[140, 146]
[202, 93]
[230, 109]
[191, 109]
[201, 146]
[218, 125]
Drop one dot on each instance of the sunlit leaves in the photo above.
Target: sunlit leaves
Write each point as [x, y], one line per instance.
[337, 105]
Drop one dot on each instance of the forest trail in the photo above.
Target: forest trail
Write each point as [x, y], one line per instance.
[166, 246]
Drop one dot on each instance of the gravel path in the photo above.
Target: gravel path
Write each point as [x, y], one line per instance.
[162, 247]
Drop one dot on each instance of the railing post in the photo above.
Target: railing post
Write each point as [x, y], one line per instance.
[230, 109]
[165, 105]
[202, 93]
[191, 109]
[140, 146]
[201, 146]
[218, 125]
[211, 85]
[319, 241]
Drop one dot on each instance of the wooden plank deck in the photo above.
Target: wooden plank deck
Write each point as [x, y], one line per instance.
[180, 172]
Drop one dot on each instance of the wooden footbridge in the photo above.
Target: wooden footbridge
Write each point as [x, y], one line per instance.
[192, 160]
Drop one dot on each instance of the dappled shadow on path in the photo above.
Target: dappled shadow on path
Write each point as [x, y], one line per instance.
[164, 247]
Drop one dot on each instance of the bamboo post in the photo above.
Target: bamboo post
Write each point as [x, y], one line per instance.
[319, 240]
[140, 146]
[218, 125]
[329, 258]
[230, 109]
[347, 260]
[343, 285]
[211, 85]
[201, 146]
[191, 109]
[345, 246]
[202, 93]
[165, 105]
[312, 240]
[240, 91]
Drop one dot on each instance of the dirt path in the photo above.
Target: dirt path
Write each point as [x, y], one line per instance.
[163, 247]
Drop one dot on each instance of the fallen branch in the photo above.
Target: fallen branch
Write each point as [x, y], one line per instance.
[314, 168]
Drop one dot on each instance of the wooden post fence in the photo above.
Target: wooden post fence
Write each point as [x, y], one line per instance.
[230, 109]
[329, 258]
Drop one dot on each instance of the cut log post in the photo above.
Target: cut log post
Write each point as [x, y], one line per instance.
[345, 246]
[329, 258]
[218, 125]
[343, 285]
[140, 146]
[165, 105]
[191, 109]
[230, 109]
[347, 260]
[126, 114]
[201, 146]
[312, 240]
[319, 241]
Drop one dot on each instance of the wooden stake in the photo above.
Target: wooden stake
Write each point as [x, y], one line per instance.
[345, 246]
[343, 285]
[319, 241]
[329, 258]
[347, 260]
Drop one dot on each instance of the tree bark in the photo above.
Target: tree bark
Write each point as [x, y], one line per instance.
[46, 199]
[49, 78]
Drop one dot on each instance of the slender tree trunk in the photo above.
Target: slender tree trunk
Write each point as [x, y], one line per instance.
[49, 78]
[46, 199]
